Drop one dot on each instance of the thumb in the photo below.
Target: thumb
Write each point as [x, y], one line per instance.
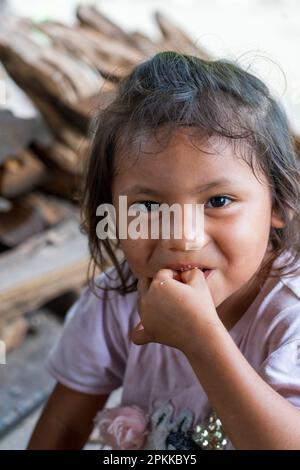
[192, 276]
[139, 335]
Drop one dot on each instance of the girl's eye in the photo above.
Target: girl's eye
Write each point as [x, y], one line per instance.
[152, 206]
[218, 201]
[145, 206]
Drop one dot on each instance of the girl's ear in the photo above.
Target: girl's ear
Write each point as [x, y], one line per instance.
[277, 221]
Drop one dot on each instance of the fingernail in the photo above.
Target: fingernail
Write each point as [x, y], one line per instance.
[140, 327]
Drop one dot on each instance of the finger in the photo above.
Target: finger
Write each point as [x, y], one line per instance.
[139, 336]
[192, 276]
[164, 275]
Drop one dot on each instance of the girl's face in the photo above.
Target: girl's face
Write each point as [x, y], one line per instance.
[237, 212]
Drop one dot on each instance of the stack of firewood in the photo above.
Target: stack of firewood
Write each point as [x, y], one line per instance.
[68, 73]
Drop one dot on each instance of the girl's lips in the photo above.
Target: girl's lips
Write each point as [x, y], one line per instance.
[206, 272]
[187, 267]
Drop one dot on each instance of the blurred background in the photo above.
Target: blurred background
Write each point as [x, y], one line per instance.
[60, 62]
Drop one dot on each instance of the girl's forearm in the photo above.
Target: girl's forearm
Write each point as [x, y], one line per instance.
[254, 416]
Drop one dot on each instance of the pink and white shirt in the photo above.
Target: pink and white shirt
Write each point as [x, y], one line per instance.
[95, 355]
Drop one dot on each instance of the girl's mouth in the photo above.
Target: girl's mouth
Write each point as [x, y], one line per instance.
[207, 272]
[180, 269]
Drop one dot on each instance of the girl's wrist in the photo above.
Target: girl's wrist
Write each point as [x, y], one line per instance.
[206, 337]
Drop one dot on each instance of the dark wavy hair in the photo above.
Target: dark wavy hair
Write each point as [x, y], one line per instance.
[220, 99]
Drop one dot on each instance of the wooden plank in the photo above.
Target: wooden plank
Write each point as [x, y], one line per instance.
[43, 268]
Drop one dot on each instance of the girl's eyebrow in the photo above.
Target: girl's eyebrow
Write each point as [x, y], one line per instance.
[138, 189]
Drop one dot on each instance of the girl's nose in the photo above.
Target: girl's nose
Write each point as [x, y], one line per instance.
[187, 232]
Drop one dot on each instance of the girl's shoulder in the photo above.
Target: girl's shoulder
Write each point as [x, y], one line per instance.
[92, 351]
[99, 306]
[101, 294]
[278, 316]
[290, 281]
[274, 316]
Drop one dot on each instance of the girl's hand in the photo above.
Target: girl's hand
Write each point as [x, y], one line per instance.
[174, 312]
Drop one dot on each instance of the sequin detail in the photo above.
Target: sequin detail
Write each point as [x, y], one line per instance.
[178, 434]
[210, 435]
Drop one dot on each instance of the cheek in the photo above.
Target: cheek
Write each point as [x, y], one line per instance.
[245, 233]
[137, 254]
[243, 240]
[136, 251]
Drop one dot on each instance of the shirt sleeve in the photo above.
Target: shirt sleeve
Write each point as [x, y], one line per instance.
[281, 368]
[91, 354]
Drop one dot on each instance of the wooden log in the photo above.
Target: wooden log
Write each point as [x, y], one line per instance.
[116, 52]
[92, 104]
[22, 60]
[64, 131]
[16, 133]
[81, 78]
[62, 183]
[31, 215]
[60, 156]
[19, 223]
[20, 174]
[51, 78]
[144, 43]
[66, 38]
[13, 332]
[93, 18]
[175, 38]
[84, 79]
[52, 209]
[46, 85]
[42, 268]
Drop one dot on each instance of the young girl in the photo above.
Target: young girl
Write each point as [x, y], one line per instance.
[204, 338]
